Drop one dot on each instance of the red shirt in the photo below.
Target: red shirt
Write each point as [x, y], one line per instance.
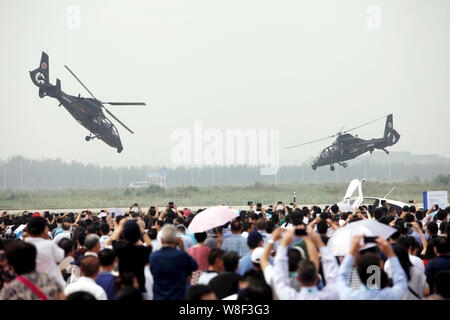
[200, 255]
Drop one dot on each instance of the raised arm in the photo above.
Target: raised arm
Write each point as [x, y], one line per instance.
[281, 268]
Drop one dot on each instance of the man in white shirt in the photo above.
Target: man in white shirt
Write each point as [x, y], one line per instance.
[307, 271]
[65, 233]
[89, 268]
[49, 254]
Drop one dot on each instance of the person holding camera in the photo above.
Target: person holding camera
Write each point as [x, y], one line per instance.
[307, 276]
[371, 274]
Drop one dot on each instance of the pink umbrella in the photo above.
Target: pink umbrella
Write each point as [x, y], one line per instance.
[211, 218]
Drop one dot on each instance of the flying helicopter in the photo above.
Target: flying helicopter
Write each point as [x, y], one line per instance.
[347, 146]
[87, 111]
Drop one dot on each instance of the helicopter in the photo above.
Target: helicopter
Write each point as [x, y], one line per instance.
[347, 146]
[87, 111]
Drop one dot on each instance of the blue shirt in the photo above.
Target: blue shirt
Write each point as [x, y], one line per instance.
[106, 281]
[170, 268]
[439, 263]
[245, 264]
[236, 243]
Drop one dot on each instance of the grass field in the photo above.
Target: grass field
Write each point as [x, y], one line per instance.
[205, 196]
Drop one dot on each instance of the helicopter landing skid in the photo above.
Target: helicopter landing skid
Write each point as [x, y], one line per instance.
[343, 164]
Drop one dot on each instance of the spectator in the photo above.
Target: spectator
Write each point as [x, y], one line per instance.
[216, 266]
[64, 266]
[227, 282]
[254, 240]
[48, 253]
[89, 268]
[417, 282]
[105, 278]
[261, 225]
[215, 241]
[29, 284]
[65, 231]
[441, 262]
[200, 252]
[131, 252]
[187, 241]
[365, 264]
[441, 284]
[236, 242]
[104, 232]
[201, 292]
[170, 267]
[307, 270]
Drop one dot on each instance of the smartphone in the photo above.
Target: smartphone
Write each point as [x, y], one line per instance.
[113, 214]
[407, 225]
[83, 215]
[258, 205]
[436, 206]
[250, 203]
[271, 206]
[300, 232]
[152, 207]
[411, 201]
[280, 202]
[383, 202]
[135, 205]
[368, 239]
[292, 203]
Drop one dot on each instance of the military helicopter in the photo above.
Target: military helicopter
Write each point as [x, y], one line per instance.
[347, 146]
[87, 111]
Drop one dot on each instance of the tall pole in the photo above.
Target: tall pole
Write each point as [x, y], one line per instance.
[21, 176]
[101, 181]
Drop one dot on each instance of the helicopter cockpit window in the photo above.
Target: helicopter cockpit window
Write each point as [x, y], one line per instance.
[106, 123]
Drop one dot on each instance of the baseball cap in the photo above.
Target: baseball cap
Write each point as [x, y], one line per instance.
[256, 255]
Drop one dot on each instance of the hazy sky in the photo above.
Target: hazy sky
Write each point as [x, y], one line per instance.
[305, 67]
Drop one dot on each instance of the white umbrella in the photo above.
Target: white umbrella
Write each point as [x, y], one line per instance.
[211, 218]
[117, 211]
[341, 240]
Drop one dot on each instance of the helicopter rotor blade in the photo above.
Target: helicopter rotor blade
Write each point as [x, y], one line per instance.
[80, 82]
[117, 119]
[125, 103]
[302, 144]
[365, 124]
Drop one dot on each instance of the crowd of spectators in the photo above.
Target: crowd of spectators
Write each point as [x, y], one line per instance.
[277, 252]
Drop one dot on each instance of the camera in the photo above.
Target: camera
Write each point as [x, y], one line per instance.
[292, 203]
[250, 203]
[368, 239]
[258, 205]
[152, 207]
[411, 201]
[300, 232]
[383, 202]
[407, 225]
[280, 202]
[436, 206]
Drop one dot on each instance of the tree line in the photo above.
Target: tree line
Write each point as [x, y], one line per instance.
[20, 173]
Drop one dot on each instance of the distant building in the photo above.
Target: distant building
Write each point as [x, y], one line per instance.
[155, 176]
